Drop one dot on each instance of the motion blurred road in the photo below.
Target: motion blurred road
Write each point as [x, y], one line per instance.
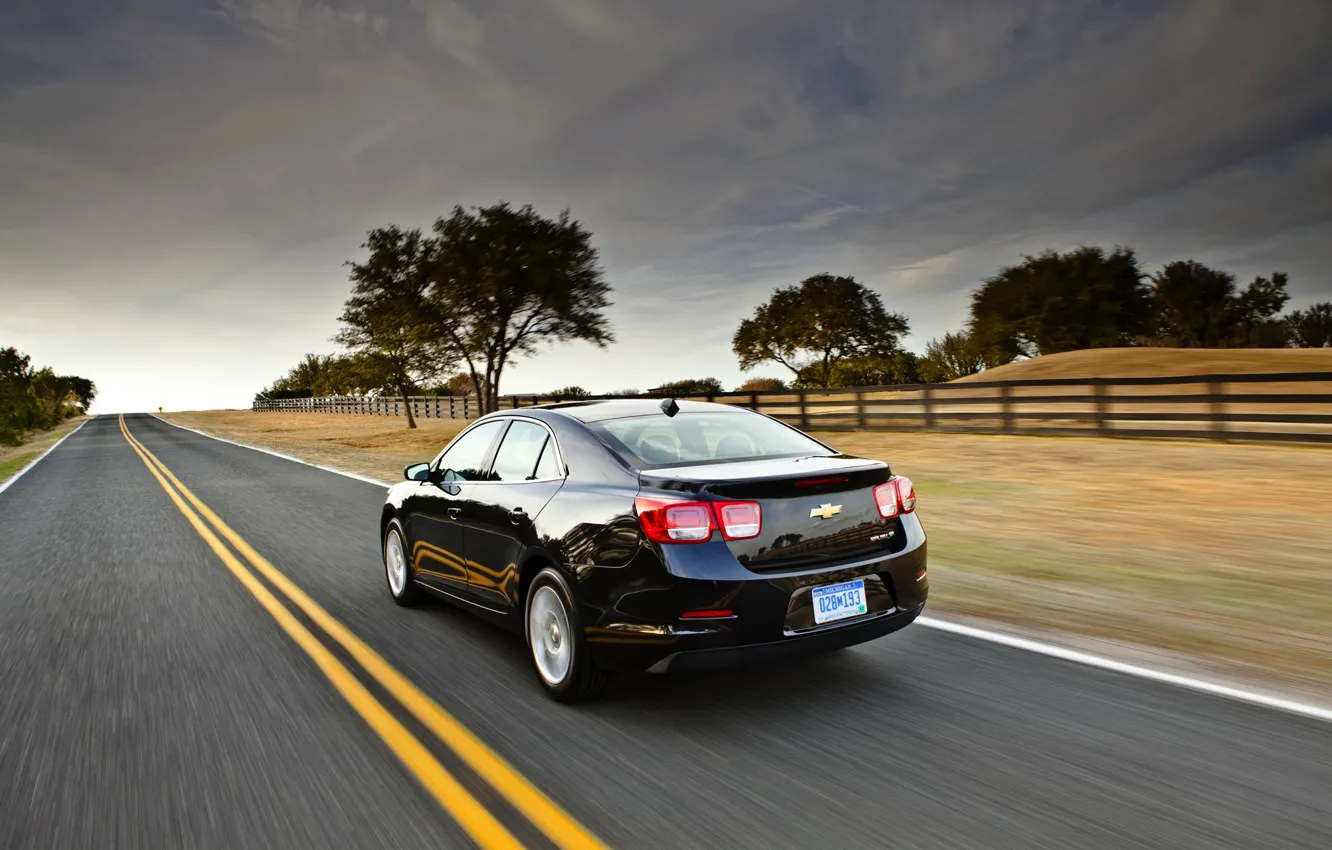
[148, 700]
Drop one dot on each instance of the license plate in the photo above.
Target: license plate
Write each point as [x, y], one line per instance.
[839, 601]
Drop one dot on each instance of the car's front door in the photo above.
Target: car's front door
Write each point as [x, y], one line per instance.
[442, 508]
[526, 473]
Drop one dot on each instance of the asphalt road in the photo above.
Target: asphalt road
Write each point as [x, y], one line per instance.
[148, 700]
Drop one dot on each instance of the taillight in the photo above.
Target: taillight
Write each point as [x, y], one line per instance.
[885, 496]
[739, 520]
[906, 494]
[894, 496]
[667, 521]
[674, 522]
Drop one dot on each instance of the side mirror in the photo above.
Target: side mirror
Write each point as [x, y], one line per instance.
[417, 472]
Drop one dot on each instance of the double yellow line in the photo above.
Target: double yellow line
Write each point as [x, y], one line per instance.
[473, 817]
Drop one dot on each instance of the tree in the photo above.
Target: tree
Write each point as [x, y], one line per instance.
[504, 280]
[952, 356]
[309, 374]
[18, 404]
[1199, 307]
[1256, 309]
[1054, 302]
[568, 392]
[810, 327]
[358, 373]
[388, 318]
[692, 386]
[1311, 327]
[759, 385]
[331, 374]
[84, 390]
[460, 385]
[55, 397]
[873, 370]
[1194, 304]
[37, 398]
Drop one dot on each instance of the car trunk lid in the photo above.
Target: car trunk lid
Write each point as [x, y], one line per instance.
[815, 510]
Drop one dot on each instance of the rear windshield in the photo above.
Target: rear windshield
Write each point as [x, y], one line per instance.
[658, 440]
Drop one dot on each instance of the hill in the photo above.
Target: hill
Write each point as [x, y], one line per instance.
[1153, 362]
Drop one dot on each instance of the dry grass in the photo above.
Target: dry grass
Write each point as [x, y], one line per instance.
[1223, 552]
[1160, 362]
[1220, 552]
[14, 458]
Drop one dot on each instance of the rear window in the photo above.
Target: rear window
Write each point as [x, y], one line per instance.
[697, 438]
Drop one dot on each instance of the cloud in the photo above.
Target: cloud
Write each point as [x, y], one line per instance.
[208, 166]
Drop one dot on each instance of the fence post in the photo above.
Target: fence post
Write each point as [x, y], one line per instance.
[804, 414]
[860, 410]
[1006, 399]
[753, 401]
[1218, 406]
[1102, 406]
[927, 412]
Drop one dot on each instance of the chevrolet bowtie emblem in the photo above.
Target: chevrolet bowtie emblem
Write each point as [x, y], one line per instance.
[825, 511]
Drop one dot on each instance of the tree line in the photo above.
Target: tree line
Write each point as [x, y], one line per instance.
[833, 331]
[33, 399]
[446, 311]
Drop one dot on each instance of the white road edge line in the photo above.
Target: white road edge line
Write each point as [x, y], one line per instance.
[1090, 660]
[1051, 650]
[4, 485]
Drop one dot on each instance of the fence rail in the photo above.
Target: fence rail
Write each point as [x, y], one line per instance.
[1293, 406]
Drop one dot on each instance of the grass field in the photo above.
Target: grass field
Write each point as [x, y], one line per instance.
[1221, 553]
[1161, 362]
[14, 458]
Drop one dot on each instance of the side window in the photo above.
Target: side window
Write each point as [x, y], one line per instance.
[466, 458]
[517, 457]
[549, 464]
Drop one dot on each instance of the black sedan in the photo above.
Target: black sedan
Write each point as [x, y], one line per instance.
[637, 535]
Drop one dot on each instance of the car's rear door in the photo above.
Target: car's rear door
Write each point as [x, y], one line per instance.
[526, 472]
[441, 509]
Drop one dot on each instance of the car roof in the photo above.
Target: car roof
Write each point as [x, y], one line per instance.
[594, 410]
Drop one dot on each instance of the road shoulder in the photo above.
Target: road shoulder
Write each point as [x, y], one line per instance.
[15, 460]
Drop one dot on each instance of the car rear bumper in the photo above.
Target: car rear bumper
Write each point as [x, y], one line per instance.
[827, 640]
[771, 617]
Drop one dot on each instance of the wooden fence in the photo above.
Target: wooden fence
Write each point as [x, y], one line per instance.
[1293, 406]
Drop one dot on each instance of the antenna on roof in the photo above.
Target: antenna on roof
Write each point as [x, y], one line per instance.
[669, 407]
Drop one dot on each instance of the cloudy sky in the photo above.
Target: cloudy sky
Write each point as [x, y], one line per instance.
[181, 180]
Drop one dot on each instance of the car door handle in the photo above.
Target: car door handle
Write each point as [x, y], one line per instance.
[517, 515]
[454, 513]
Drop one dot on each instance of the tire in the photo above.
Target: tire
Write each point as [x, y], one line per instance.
[406, 593]
[556, 643]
